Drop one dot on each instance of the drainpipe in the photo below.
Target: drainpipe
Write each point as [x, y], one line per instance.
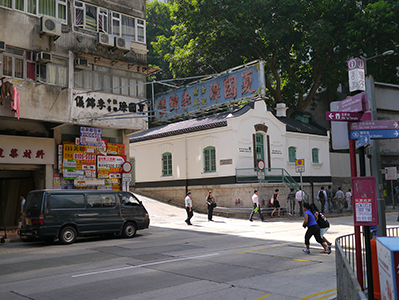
[186, 166]
[311, 184]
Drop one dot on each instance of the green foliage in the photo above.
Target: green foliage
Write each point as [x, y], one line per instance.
[305, 44]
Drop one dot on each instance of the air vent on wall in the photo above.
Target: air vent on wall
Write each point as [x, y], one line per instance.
[50, 26]
[44, 57]
[2, 46]
[123, 44]
[81, 63]
[106, 39]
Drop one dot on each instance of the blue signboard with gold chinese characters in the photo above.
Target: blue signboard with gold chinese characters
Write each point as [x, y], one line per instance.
[237, 84]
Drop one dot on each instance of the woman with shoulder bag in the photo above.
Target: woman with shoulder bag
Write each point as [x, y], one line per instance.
[210, 204]
[276, 203]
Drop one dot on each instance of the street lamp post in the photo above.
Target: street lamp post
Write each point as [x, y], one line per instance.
[375, 149]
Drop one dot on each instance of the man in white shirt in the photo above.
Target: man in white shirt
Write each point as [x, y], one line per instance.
[348, 196]
[256, 206]
[299, 197]
[189, 208]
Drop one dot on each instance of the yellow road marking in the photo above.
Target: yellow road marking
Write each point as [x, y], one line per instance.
[263, 297]
[320, 293]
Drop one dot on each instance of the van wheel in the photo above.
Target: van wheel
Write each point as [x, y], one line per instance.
[67, 235]
[129, 230]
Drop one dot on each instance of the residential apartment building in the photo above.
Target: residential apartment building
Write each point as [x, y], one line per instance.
[73, 79]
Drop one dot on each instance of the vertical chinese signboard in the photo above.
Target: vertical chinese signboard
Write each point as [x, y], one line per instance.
[364, 200]
[234, 85]
[356, 75]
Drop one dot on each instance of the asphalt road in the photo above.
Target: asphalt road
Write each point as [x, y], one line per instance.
[225, 259]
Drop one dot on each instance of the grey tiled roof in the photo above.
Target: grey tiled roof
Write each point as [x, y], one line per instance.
[197, 124]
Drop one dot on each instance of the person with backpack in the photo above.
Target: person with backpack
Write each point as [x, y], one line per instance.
[322, 197]
[339, 197]
[323, 224]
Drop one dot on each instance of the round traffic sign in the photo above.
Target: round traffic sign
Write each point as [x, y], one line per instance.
[126, 167]
[261, 165]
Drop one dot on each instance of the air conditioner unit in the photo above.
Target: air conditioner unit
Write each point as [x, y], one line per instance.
[123, 44]
[106, 39]
[2, 46]
[50, 26]
[81, 63]
[44, 57]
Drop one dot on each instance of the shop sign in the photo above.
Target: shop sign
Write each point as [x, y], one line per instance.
[243, 82]
[103, 148]
[115, 149]
[26, 150]
[90, 136]
[110, 166]
[79, 158]
[82, 182]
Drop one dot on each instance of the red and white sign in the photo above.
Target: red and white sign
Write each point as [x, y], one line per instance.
[261, 165]
[127, 167]
[364, 200]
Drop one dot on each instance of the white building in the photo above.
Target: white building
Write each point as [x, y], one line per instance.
[221, 152]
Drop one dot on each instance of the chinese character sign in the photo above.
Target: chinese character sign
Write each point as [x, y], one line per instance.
[356, 75]
[229, 87]
[90, 136]
[364, 201]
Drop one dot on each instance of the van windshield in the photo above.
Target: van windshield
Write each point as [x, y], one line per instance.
[33, 201]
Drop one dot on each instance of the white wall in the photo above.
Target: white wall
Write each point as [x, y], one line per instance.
[187, 149]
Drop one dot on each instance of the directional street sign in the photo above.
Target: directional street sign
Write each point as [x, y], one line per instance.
[374, 134]
[374, 125]
[356, 103]
[343, 116]
[363, 141]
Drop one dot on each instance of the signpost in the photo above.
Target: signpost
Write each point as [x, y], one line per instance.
[355, 103]
[374, 125]
[300, 168]
[356, 75]
[343, 116]
[364, 201]
[363, 141]
[374, 134]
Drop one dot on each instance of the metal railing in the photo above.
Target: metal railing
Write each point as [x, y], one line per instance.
[270, 175]
[346, 244]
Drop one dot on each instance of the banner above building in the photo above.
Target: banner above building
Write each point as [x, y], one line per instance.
[237, 84]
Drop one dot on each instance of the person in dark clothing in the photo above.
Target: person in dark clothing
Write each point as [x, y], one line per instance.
[210, 205]
[276, 203]
[313, 230]
[322, 222]
[291, 202]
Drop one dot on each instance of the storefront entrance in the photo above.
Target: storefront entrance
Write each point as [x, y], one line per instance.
[13, 183]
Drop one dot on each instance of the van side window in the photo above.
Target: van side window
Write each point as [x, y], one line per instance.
[66, 201]
[100, 200]
[129, 200]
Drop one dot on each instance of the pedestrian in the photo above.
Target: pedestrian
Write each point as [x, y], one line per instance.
[256, 206]
[210, 205]
[23, 201]
[322, 197]
[313, 230]
[299, 198]
[339, 199]
[276, 203]
[329, 204]
[348, 196]
[189, 208]
[322, 222]
[291, 202]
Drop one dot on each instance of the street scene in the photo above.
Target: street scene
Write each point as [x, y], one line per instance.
[224, 259]
[185, 149]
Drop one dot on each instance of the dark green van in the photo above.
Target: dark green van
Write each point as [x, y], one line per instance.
[66, 214]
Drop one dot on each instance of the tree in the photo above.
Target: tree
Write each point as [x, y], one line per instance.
[305, 44]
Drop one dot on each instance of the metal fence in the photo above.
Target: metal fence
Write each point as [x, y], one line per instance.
[346, 264]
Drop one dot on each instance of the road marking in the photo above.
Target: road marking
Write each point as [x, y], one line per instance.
[144, 265]
[263, 297]
[320, 293]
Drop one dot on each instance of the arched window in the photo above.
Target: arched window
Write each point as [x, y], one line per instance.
[260, 152]
[209, 159]
[167, 164]
[315, 155]
[291, 154]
